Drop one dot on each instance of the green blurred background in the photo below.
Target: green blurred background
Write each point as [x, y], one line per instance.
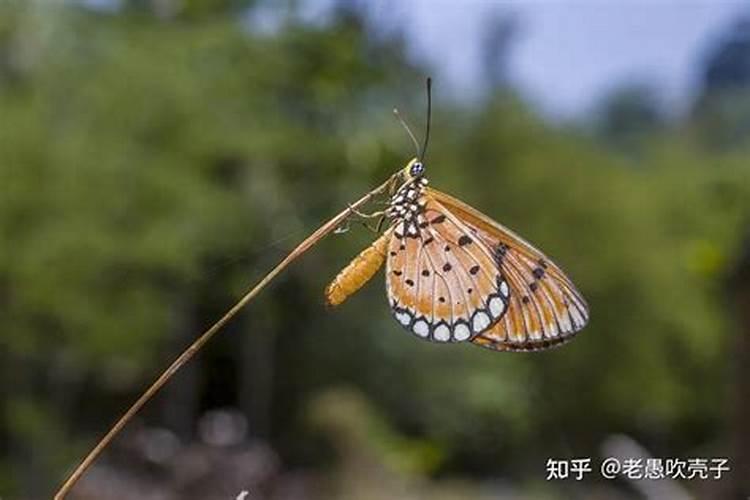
[158, 157]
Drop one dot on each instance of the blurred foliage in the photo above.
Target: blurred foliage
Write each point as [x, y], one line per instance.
[629, 116]
[153, 168]
[722, 110]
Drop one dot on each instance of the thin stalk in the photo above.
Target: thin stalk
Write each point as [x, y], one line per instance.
[196, 346]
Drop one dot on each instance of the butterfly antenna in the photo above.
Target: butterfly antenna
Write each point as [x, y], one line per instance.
[408, 131]
[429, 118]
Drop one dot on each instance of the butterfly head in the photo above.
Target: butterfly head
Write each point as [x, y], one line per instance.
[415, 169]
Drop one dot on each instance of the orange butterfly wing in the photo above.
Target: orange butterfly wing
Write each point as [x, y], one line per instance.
[443, 281]
[544, 307]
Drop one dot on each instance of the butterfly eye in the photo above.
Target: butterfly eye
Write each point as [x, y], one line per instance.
[417, 169]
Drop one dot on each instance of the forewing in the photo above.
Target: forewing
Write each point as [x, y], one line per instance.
[443, 282]
[544, 307]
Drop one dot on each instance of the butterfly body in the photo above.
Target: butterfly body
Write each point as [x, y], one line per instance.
[455, 275]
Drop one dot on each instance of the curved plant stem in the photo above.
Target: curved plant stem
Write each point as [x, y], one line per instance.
[188, 353]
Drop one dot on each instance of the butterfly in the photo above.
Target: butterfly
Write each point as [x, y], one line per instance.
[455, 275]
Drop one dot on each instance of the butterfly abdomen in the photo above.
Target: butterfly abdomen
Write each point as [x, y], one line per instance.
[358, 272]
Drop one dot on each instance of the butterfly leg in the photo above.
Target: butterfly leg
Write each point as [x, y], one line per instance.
[381, 221]
[346, 226]
[378, 225]
[375, 228]
[393, 184]
[380, 215]
[373, 215]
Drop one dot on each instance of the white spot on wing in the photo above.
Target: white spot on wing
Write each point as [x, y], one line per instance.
[421, 328]
[497, 306]
[565, 323]
[552, 329]
[403, 317]
[577, 316]
[480, 322]
[504, 288]
[442, 333]
[582, 309]
[461, 332]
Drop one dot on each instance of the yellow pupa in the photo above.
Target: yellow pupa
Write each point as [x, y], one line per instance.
[359, 271]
